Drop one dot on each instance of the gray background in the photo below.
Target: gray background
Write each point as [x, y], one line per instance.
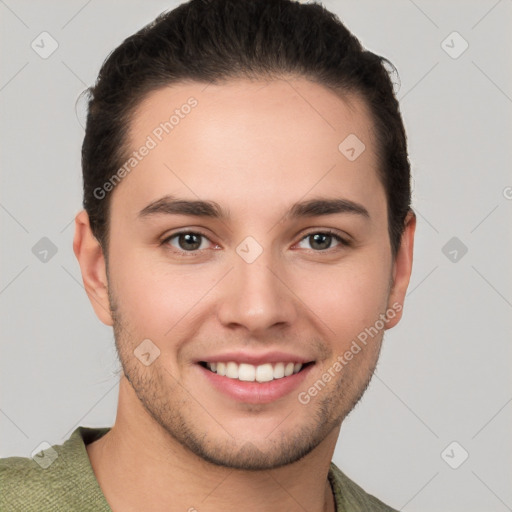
[445, 371]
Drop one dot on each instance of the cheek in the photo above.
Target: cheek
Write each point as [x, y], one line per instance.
[155, 296]
[347, 297]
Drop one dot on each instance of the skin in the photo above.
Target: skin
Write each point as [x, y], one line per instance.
[255, 148]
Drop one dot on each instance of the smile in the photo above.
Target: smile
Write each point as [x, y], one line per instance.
[251, 373]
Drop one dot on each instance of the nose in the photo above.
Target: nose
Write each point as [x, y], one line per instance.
[257, 296]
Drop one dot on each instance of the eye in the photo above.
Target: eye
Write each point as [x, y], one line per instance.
[192, 242]
[187, 241]
[322, 240]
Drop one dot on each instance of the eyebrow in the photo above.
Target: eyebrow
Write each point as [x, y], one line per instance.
[170, 205]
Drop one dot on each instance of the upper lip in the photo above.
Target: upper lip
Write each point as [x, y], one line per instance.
[256, 359]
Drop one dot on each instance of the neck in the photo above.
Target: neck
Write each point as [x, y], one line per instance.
[139, 466]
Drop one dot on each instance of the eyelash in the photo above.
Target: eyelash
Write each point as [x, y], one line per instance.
[344, 242]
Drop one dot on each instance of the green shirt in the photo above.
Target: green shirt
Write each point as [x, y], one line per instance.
[61, 479]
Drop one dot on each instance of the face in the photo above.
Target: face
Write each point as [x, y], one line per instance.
[272, 280]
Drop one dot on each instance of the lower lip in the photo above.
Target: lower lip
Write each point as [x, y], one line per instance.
[256, 392]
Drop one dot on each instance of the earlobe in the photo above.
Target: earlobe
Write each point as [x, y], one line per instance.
[402, 268]
[90, 257]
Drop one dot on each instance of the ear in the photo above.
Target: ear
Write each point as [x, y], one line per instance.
[89, 254]
[402, 268]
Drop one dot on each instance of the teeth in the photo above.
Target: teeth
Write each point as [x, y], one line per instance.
[279, 371]
[232, 370]
[246, 372]
[250, 373]
[221, 368]
[264, 373]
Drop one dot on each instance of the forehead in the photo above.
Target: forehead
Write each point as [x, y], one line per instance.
[273, 138]
[306, 108]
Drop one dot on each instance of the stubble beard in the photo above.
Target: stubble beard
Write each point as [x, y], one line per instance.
[172, 407]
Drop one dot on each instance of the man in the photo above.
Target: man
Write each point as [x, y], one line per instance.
[248, 234]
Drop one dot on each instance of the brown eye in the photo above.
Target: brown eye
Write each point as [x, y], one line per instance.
[187, 241]
[323, 240]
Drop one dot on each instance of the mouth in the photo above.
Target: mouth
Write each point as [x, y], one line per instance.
[261, 383]
[246, 372]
